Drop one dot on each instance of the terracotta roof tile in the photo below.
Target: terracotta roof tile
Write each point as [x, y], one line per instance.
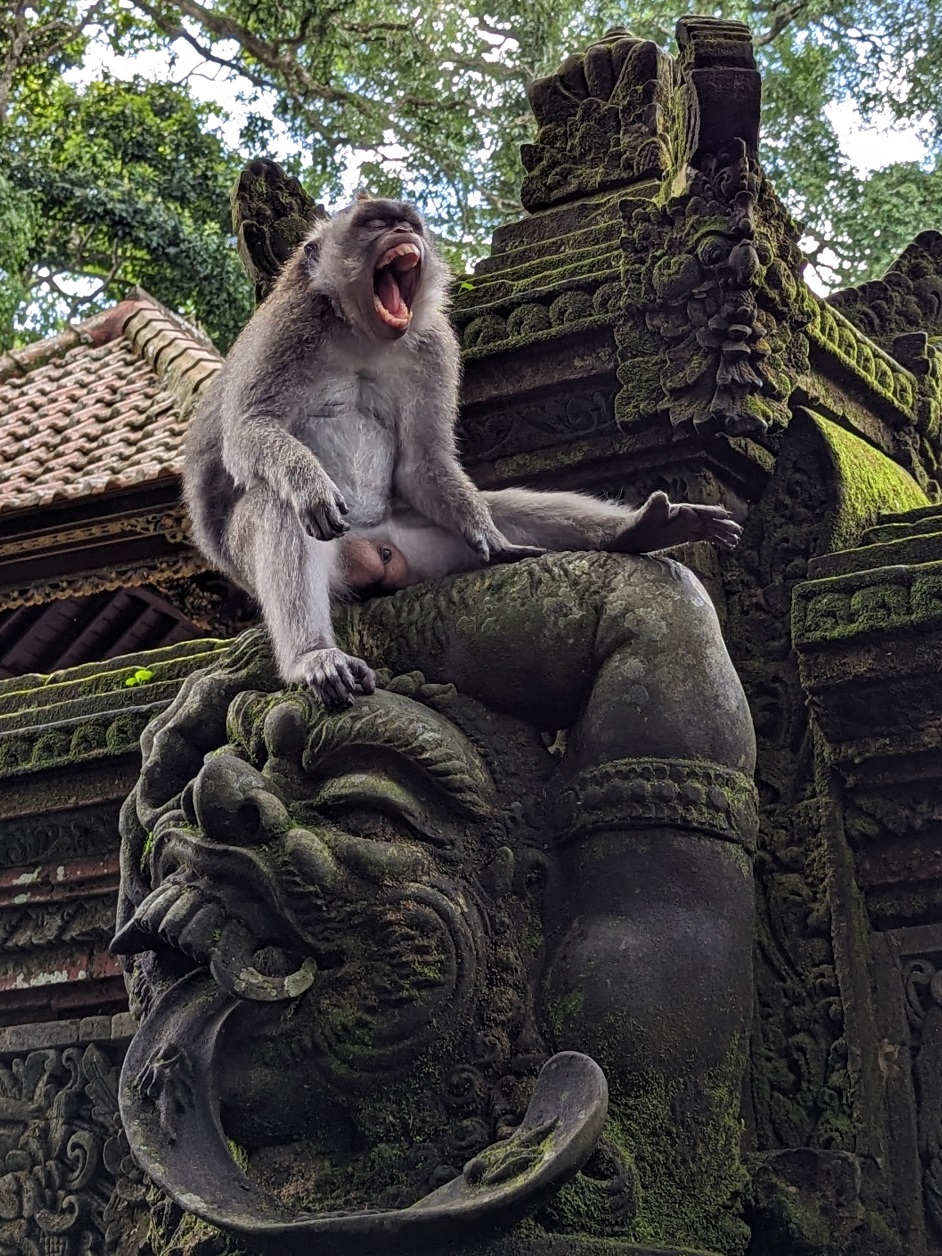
[101, 406]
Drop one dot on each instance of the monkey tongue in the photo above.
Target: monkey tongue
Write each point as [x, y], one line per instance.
[389, 303]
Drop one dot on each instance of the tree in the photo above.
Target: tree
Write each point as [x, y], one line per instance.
[435, 97]
[105, 186]
[428, 101]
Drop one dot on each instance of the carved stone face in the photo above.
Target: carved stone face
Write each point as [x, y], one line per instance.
[336, 922]
[365, 856]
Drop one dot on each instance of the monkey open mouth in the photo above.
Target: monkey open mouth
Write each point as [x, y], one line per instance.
[395, 281]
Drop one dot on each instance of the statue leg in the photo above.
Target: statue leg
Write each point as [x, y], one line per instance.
[648, 966]
[649, 970]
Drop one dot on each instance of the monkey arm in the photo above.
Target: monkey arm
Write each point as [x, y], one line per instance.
[257, 448]
[292, 577]
[428, 475]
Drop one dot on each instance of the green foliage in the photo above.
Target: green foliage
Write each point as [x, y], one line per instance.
[126, 182]
[139, 677]
[435, 99]
[114, 184]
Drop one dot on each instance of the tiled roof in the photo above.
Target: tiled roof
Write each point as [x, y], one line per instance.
[102, 406]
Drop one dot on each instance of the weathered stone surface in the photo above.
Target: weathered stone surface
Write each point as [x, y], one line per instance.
[402, 866]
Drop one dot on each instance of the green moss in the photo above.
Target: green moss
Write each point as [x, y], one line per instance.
[561, 1013]
[489, 334]
[187, 1239]
[678, 1140]
[239, 1154]
[683, 1136]
[869, 484]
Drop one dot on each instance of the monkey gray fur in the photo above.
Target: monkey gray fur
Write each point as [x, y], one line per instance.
[407, 549]
[334, 410]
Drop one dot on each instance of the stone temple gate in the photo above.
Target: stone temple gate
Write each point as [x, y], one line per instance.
[514, 958]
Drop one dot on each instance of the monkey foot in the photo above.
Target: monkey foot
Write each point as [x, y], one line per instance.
[335, 677]
[661, 523]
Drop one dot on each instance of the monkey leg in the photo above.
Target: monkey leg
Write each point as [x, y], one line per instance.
[292, 576]
[575, 521]
[557, 520]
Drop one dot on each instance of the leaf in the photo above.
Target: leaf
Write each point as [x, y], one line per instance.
[140, 677]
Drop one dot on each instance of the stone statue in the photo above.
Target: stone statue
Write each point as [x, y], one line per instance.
[431, 974]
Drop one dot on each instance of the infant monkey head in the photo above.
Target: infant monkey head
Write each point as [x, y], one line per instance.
[376, 262]
[374, 567]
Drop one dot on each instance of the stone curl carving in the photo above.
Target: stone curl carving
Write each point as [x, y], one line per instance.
[365, 953]
[906, 300]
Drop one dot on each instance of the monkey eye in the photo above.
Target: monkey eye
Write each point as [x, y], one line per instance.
[385, 554]
[376, 224]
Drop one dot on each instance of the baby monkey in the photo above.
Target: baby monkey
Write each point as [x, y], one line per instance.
[335, 409]
[407, 550]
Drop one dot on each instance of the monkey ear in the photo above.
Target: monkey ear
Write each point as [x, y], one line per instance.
[312, 249]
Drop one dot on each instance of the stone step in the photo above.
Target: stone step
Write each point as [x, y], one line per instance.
[907, 551]
[921, 512]
[896, 540]
[882, 533]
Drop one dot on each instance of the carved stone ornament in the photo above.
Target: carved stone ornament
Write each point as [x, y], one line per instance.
[387, 952]
[68, 1185]
[599, 117]
[722, 290]
[923, 993]
[271, 215]
[907, 301]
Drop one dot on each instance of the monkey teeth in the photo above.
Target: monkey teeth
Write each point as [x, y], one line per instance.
[399, 322]
[408, 251]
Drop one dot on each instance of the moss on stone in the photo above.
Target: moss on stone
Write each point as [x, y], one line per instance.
[869, 484]
[682, 1135]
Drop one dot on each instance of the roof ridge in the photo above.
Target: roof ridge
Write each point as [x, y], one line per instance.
[98, 330]
[182, 362]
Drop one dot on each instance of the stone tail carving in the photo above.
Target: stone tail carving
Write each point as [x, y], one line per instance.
[170, 1109]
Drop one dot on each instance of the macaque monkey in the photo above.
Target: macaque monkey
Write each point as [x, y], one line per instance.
[334, 410]
[406, 549]
[333, 417]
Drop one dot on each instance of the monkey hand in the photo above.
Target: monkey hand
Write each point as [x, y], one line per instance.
[507, 552]
[485, 539]
[335, 677]
[320, 505]
[660, 523]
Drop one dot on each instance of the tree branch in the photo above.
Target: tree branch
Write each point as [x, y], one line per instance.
[780, 20]
[34, 45]
[266, 53]
[18, 42]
